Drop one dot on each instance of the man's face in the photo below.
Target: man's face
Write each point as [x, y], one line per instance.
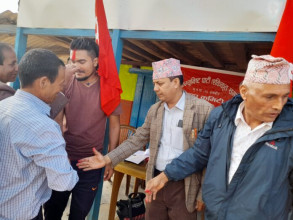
[85, 63]
[263, 102]
[52, 89]
[165, 88]
[8, 71]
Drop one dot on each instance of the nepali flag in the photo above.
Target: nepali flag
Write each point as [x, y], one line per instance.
[283, 44]
[109, 79]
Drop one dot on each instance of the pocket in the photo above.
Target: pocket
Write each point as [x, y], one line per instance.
[177, 138]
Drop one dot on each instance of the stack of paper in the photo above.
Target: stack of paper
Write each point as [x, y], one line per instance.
[138, 156]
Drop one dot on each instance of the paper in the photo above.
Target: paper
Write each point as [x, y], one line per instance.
[138, 156]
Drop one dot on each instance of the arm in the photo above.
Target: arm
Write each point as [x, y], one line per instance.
[114, 131]
[59, 120]
[47, 150]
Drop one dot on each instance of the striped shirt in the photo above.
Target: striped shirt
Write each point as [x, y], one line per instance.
[33, 159]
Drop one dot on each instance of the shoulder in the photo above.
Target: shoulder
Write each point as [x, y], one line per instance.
[197, 104]
[26, 116]
[154, 108]
[5, 91]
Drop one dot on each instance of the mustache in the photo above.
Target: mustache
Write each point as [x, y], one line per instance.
[79, 71]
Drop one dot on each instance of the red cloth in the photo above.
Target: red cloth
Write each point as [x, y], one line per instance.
[109, 79]
[283, 44]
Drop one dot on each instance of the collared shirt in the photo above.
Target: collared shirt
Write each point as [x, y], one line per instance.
[33, 159]
[171, 143]
[244, 137]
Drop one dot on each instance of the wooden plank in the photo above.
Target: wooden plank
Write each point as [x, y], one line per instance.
[135, 49]
[117, 45]
[152, 49]
[240, 55]
[132, 56]
[60, 32]
[137, 101]
[126, 111]
[163, 35]
[200, 36]
[147, 100]
[135, 63]
[144, 72]
[209, 54]
[179, 52]
[20, 48]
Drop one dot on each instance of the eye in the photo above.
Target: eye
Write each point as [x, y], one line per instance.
[269, 96]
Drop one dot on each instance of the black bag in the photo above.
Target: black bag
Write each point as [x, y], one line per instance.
[132, 208]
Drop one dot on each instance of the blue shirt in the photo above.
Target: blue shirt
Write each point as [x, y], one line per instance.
[33, 159]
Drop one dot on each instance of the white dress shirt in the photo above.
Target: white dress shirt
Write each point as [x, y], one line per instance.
[171, 143]
[244, 137]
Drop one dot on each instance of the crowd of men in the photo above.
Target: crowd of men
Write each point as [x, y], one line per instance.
[233, 161]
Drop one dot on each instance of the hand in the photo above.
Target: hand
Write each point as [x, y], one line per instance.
[154, 185]
[91, 163]
[71, 69]
[200, 206]
[108, 172]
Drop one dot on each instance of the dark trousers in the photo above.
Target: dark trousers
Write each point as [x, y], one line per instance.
[83, 195]
[39, 216]
[170, 204]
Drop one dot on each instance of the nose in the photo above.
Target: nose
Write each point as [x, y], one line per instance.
[156, 87]
[278, 104]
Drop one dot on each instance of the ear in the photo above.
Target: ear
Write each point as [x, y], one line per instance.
[176, 82]
[243, 91]
[43, 82]
[96, 61]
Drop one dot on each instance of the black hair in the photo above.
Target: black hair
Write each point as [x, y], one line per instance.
[37, 63]
[180, 77]
[88, 44]
[4, 46]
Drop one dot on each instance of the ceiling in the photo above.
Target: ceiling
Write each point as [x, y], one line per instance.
[219, 55]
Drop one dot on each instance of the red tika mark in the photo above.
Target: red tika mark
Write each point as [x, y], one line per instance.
[73, 55]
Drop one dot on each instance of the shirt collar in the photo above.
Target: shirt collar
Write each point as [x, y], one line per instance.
[239, 117]
[180, 104]
[43, 107]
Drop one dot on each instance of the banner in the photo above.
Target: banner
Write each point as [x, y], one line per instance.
[214, 86]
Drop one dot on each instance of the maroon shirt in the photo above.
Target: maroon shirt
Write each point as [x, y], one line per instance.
[85, 120]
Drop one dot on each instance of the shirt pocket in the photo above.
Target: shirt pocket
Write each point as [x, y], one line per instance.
[177, 138]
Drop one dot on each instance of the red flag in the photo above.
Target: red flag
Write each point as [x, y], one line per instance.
[283, 44]
[109, 79]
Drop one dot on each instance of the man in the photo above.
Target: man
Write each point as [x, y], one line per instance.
[8, 70]
[8, 73]
[84, 130]
[33, 159]
[169, 128]
[246, 145]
